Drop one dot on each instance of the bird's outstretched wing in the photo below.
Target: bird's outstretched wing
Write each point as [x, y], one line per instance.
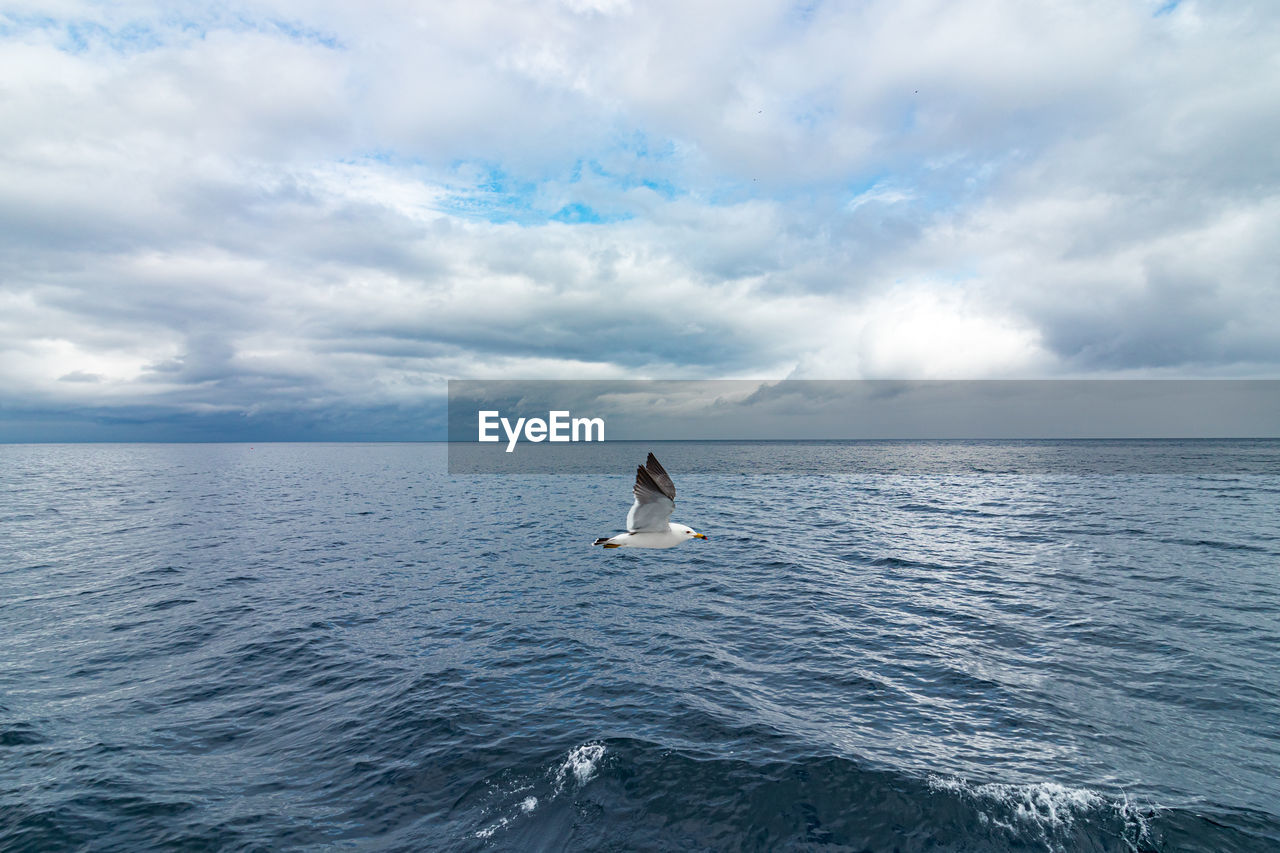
[655, 499]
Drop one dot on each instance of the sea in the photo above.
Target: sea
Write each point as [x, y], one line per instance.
[881, 646]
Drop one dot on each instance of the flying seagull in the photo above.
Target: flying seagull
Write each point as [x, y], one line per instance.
[647, 524]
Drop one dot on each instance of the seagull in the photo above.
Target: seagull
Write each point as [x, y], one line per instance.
[647, 525]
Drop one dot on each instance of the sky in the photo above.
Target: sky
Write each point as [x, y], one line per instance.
[294, 221]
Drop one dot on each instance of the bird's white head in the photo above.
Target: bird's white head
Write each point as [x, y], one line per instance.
[689, 534]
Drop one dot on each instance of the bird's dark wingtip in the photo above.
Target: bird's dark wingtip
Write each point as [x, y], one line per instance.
[653, 471]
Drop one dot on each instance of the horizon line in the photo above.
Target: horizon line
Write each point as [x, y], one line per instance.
[659, 440]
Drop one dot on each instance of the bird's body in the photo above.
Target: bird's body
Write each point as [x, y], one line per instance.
[669, 538]
[647, 522]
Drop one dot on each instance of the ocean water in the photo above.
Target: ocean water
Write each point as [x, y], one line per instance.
[276, 647]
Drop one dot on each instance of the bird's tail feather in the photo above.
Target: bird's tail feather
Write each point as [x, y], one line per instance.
[601, 540]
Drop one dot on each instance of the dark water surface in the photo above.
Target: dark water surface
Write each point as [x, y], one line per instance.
[268, 647]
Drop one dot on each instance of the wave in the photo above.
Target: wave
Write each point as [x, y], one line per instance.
[1048, 812]
[575, 771]
[628, 794]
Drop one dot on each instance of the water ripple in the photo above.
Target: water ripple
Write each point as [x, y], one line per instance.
[306, 646]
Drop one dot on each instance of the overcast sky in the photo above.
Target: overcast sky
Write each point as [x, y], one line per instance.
[298, 220]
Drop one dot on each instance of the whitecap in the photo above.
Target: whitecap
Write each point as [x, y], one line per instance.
[1049, 808]
[581, 764]
[488, 831]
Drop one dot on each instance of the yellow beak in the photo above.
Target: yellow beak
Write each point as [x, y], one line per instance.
[699, 536]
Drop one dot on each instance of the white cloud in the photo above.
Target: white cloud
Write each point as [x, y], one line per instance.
[287, 204]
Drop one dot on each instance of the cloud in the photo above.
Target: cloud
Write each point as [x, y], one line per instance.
[295, 210]
[80, 376]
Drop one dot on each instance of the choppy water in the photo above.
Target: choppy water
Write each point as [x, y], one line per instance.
[309, 646]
